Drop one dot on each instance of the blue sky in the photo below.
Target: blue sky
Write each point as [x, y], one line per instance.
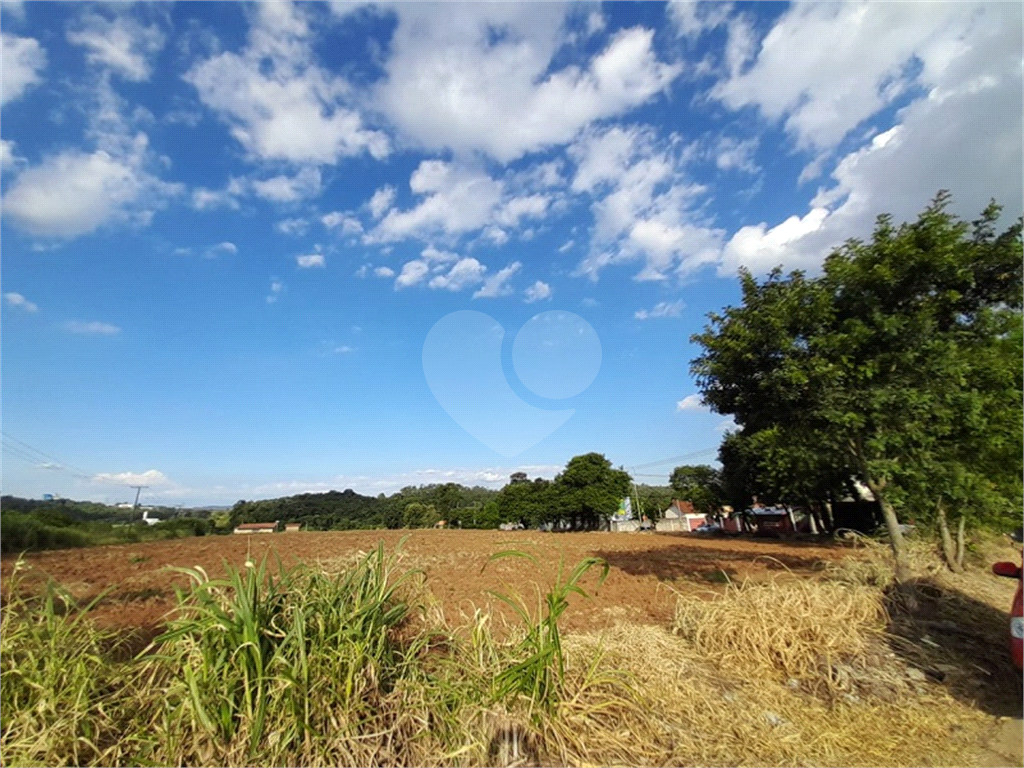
[228, 229]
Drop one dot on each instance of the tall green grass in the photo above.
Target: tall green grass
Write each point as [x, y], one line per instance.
[275, 665]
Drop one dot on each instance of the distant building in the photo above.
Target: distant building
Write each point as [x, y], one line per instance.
[257, 527]
[680, 516]
[292, 527]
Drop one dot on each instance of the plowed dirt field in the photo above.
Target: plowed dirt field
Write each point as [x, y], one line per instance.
[645, 568]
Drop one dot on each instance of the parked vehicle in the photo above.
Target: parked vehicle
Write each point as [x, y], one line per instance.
[1014, 571]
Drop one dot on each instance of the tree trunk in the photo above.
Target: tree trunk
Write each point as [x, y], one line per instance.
[947, 541]
[892, 525]
[960, 546]
[829, 519]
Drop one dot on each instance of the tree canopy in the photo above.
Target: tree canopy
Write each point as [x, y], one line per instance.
[899, 365]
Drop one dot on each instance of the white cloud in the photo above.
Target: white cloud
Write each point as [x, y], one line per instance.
[23, 60]
[760, 249]
[149, 477]
[295, 227]
[19, 301]
[457, 199]
[412, 273]
[463, 273]
[278, 104]
[692, 403]
[221, 248]
[384, 272]
[726, 425]
[734, 155]
[73, 193]
[289, 189]
[965, 58]
[344, 349]
[122, 44]
[826, 67]
[276, 287]
[661, 309]
[9, 159]
[94, 327]
[497, 284]
[381, 201]
[643, 204]
[204, 199]
[692, 19]
[537, 292]
[496, 235]
[566, 246]
[350, 225]
[311, 260]
[451, 85]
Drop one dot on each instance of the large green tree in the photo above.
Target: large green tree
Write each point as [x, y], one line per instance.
[875, 367]
[700, 484]
[589, 490]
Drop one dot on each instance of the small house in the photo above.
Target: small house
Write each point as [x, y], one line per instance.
[256, 527]
[292, 527]
[680, 516]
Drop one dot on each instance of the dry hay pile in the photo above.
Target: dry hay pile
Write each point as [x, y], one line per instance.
[787, 672]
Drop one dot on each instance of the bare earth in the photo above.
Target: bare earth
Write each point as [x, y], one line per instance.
[647, 570]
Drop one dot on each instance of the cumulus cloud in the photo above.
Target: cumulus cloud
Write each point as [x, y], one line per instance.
[204, 199]
[93, 327]
[456, 199]
[23, 60]
[451, 85]
[643, 204]
[289, 189]
[73, 193]
[661, 309]
[19, 301]
[825, 68]
[76, 191]
[348, 224]
[497, 285]
[149, 477]
[278, 104]
[463, 273]
[385, 272]
[691, 403]
[968, 66]
[221, 248]
[311, 260]
[381, 201]
[276, 287]
[122, 44]
[537, 292]
[412, 273]
[295, 227]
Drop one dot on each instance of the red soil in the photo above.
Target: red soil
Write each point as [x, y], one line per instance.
[645, 568]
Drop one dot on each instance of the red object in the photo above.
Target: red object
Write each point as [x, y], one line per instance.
[1016, 612]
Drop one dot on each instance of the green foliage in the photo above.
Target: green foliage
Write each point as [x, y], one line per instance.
[284, 666]
[899, 365]
[701, 485]
[539, 673]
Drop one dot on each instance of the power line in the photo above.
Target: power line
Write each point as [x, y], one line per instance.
[14, 449]
[672, 459]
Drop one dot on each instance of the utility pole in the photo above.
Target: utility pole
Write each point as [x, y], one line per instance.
[138, 490]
